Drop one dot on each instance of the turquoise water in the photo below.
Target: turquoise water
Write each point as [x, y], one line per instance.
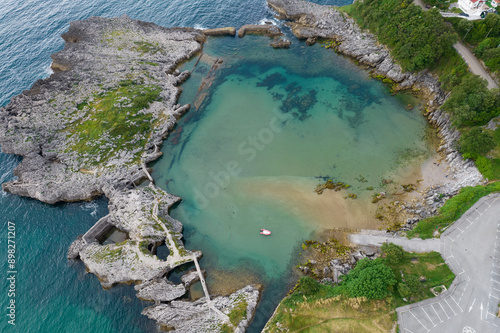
[55, 295]
[275, 124]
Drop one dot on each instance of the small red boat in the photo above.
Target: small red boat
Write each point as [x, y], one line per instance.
[265, 232]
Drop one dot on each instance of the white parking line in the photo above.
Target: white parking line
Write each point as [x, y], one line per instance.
[437, 314]
[495, 289]
[420, 322]
[456, 303]
[434, 325]
[444, 311]
[490, 295]
[449, 306]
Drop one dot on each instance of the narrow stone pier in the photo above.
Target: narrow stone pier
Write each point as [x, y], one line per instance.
[223, 316]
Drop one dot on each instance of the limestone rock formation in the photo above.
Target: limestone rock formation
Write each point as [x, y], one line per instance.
[71, 129]
[196, 317]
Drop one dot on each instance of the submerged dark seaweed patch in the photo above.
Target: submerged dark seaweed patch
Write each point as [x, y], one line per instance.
[301, 103]
[272, 80]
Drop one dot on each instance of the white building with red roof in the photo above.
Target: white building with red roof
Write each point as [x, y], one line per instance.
[476, 7]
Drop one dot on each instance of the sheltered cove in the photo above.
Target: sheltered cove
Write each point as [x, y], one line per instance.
[122, 63]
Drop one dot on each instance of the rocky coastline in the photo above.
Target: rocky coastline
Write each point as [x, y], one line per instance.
[72, 153]
[89, 130]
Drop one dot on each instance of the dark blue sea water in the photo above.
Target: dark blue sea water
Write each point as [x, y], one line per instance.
[52, 293]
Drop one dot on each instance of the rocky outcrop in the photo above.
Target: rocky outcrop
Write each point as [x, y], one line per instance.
[228, 31]
[160, 291]
[196, 317]
[493, 124]
[91, 128]
[255, 29]
[69, 152]
[142, 213]
[191, 277]
[281, 43]
[309, 21]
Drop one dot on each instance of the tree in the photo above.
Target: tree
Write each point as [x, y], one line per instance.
[307, 285]
[414, 284]
[393, 253]
[465, 25]
[476, 142]
[404, 290]
[370, 279]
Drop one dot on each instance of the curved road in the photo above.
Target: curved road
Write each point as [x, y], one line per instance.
[474, 65]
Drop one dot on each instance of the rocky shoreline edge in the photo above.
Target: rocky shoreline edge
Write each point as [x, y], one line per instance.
[104, 57]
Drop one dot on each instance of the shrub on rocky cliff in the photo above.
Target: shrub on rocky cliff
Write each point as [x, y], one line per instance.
[418, 39]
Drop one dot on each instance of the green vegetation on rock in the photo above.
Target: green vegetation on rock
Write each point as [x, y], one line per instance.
[114, 121]
[418, 39]
[237, 314]
[452, 210]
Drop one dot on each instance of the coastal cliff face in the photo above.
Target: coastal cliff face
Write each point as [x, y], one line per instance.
[111, 100]
[89, 129]
[309, 20]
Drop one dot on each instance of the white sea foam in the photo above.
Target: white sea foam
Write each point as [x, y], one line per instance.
[199, 27]
[48, 71]
[92, 207]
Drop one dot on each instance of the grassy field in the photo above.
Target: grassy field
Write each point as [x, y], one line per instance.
[429, 265]
[452, 210]
[314, 307]
[335, 314]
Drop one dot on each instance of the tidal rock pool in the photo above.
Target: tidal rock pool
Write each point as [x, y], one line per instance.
[262, 133]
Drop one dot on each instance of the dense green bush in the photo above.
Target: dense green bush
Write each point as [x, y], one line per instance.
[370, 279]
[307, 285]
[476, 142]
[418, 39]
[404, 290]
[393, 253]
[471, 103]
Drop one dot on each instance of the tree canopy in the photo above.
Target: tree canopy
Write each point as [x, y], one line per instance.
[418, 39]
[476, 142]
[393, 253]
[370, 278]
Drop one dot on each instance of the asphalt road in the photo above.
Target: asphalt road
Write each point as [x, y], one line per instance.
[474, 65]
[471, 247]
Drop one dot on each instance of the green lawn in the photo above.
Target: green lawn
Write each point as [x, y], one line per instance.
[429, 265]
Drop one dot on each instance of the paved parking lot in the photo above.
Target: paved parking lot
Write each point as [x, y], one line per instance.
[471, 247]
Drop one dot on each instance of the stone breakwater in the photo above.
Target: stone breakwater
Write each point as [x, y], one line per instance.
[90, 129]
[310, 21]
